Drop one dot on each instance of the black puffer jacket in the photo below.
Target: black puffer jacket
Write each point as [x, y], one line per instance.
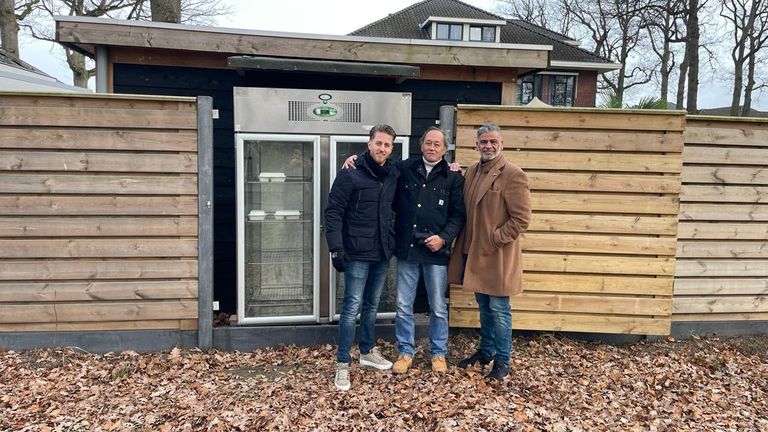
[433, 204]
[359, 220]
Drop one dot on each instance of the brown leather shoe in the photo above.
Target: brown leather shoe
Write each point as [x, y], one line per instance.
[402, 364]
[438, 364]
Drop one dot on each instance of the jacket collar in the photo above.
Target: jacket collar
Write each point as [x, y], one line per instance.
[494, 168]
[418, 165]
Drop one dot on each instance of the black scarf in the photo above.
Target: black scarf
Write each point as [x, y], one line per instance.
[380, 171]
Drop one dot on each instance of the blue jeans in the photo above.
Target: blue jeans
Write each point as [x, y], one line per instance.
[363, 284]
[436, 281]
[495, 328]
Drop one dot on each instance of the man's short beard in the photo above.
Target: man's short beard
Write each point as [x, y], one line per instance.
[484, 159]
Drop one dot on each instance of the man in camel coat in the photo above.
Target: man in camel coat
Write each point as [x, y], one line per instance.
[487, 255]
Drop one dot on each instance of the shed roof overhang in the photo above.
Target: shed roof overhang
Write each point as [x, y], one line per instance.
[326, 66]
[86, 33]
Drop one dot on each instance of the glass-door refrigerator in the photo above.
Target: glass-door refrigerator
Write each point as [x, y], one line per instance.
[289, 146]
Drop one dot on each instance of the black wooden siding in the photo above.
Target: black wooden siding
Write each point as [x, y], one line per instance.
[428, 96]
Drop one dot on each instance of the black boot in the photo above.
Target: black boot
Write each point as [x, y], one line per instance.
[474, 358]
[497, 373]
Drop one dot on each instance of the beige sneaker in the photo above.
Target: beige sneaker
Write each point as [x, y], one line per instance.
[439, 365]
[402, 364]
[342, 377]
[374, 359]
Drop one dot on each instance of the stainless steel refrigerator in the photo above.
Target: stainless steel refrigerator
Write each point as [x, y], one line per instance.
[290, 144]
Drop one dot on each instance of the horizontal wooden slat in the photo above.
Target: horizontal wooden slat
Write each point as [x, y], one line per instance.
[604, 203]
[723, 212]
[182, 324]
[20, 226]
[701, 133]
[126, 311]
[539, 302]
[96, 291]
[722, 267]
[725, 155]
[729, 194]
[720, 304]
[41, 270]
[98, 205]
[15, 160]
[97, 139]
[558, 242]
[709, 317]
[702, 287]
[722, 230]
[27, 313]
[100, 100]
[579, 120]
[544, 321]
[183, 184]
[564, 222]
[594, 182]
[97, 117]
[602, 264]
[725, 175]
[566, 139]
[722, 249]
[576, 283]
[98, 248]
[27, 327]
[583, 161]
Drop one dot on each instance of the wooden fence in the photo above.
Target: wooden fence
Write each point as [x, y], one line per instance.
[722, 252]
[98, 212]
[599, 254]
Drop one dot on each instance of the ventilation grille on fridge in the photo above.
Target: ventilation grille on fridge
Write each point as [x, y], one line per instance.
[304, 111]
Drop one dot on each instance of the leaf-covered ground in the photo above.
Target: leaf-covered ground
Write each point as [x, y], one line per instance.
[554, 384]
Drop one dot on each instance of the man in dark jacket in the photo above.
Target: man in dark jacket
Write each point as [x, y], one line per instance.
[358, 223]
[430, 213]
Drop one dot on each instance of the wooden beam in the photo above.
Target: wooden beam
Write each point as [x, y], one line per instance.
[68, 269]
[99, 205]
[193, 39]
[324, 66]
[96, 139]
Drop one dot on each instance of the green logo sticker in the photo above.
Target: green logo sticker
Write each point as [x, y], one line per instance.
[325, 111]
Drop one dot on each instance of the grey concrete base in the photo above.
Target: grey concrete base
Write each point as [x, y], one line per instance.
[685, 330]
[250, 338]
[101, 341]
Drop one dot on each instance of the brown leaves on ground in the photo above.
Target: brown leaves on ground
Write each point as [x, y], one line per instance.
[554, 385]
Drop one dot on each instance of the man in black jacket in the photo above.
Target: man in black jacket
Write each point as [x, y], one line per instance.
[358, 223]
[430, 213]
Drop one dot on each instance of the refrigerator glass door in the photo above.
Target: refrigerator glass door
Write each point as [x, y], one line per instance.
[341, 148]
[278, 216]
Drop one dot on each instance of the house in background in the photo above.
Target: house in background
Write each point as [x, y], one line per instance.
[452, 53]
[18, 75]
[570, 78]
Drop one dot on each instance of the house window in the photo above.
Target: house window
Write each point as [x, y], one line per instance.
[561, 90]
[482, 33]
[449, 31]
[530, 87]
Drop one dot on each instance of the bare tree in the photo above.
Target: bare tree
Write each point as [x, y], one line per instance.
[664, 27]
[166, 10]
[549, 14]
[11, 12]
[201, 12]
[748, 20]
[616, 30]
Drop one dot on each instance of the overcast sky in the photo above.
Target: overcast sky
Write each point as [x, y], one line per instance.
[316, 16]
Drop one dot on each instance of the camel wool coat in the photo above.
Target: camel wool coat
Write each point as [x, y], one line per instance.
[502, 211]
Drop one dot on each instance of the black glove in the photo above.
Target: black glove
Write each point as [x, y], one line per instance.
[339, 260]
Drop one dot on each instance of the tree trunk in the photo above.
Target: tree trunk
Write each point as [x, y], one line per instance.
[746, 110]
[665, 71]
[9, 28]
[166, 10]
[738, 83]
[682, 79]
[80, 74]
[693, 56]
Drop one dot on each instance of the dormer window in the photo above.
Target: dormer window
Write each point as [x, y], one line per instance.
[463, 29]
[449, 31]
[482, 33]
